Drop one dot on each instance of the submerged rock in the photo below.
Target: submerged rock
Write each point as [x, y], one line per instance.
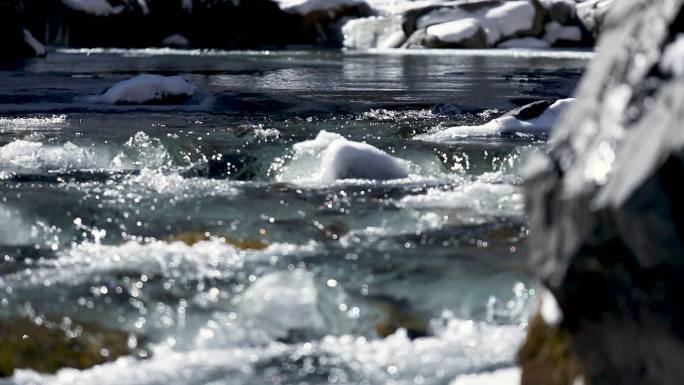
[607, 222]
[24, 344]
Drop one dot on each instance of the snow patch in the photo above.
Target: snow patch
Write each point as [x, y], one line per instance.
[146, 89]
[672, 61]
[503, 125]
[282, 302]
[550, 311]
[94, 7]
[304, 7]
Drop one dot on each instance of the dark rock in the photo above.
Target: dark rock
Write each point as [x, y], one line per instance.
[531, 110]
[478, 40]
[24, 342]
[563, 13]
[605, 206]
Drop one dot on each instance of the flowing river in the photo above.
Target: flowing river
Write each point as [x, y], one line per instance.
[203, 229]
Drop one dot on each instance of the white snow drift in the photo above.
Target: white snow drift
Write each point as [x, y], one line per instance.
[502, 125]
[146, 89]
[330, 157]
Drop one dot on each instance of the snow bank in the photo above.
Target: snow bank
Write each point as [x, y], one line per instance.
[506, 124]
[146, 89]
[507, 19]
[524, 42]
[94, 7]
[37, 47]
[282, 302]
[304, 7]
[330, 157]
[672, 62]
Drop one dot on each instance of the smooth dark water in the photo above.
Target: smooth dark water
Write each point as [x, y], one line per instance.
[93, 199]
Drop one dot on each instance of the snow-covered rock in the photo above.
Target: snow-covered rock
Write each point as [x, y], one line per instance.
[283, 302]
[592, 14]
[94, 7]
[304, 7]
[374, 32]
[672, 62]
[147, 89]
[467, 33]
[534, 118]
[499, 20]
[604, 203]
[330, 157]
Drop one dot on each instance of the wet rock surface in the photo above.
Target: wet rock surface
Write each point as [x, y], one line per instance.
[605, 204]
[25, 342]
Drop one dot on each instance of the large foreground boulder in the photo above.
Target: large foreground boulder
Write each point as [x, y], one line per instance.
[605, 206]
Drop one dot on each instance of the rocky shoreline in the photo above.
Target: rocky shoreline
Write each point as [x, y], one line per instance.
[267, 24]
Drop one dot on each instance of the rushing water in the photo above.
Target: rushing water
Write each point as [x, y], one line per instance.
[95, 198]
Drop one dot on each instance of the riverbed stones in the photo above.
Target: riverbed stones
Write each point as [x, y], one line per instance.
[605, 205]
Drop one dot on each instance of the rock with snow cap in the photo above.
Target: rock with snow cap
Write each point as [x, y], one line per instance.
[606, 218]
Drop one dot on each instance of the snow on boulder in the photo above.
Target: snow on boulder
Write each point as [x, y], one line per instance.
[330, 157]
[94, 7]
[524, 42]
[467, 33]
[374, 32]
[304, 7]
[498, 20]
[147, 89]
[35, 45]
[534, 118]
[282, 302]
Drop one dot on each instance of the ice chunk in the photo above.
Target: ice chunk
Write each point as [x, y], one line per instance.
[507, 124]
[282, 302]
[146, 88]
